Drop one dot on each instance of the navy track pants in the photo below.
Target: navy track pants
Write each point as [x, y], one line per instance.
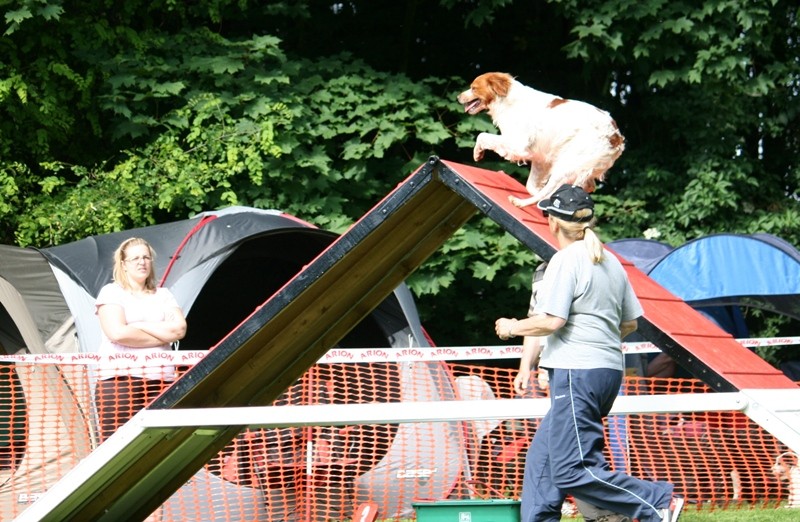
[566, 455]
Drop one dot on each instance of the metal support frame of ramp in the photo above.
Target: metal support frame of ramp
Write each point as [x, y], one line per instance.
[137, 469]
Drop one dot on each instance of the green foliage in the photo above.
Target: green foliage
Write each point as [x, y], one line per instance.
[306, 145]
[28, 9]
[492, 270]
[482, 13]
[154, 111]
[698, 84]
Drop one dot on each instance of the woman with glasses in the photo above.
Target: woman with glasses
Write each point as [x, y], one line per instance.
[135, 316]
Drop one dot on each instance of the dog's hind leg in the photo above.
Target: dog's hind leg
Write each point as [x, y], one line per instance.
[536, 197]
[538, 175]
[517, 202]
[589, 177]
[555, 180]
[536, 181]
[552, 184]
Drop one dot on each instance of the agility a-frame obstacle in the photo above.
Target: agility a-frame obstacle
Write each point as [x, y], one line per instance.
[138, 468]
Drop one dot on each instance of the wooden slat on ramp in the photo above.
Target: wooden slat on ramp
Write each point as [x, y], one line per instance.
[137, 469]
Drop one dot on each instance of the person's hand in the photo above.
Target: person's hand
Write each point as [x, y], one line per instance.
[503, 328]
[543, 379]
[521, 381]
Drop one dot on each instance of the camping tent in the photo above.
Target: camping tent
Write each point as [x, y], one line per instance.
[220, 266]
[35, 315]
[720, 273]
[35, 318]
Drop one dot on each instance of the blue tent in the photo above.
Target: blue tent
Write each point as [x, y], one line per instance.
[644, 253]
[720, 273]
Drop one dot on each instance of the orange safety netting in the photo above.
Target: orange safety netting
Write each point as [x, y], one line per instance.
[720, 460]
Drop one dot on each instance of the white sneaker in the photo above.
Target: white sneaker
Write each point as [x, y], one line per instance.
[673, 512]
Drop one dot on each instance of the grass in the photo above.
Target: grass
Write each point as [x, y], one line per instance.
[743, 514]
[718, 515]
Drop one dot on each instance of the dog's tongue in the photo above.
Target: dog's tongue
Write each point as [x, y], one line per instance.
[471, 105]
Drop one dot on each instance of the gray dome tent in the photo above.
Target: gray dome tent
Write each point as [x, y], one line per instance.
[34, 315]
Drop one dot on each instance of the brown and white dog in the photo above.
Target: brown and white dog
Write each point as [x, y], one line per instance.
[565, 141]
[787, 468]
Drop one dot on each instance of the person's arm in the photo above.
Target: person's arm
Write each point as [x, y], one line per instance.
[538, 325]
[114, 326]
[171, 329]
[662, 365]
[531, 350]
[627, 327]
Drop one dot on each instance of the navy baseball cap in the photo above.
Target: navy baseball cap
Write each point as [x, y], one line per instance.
[567, 200]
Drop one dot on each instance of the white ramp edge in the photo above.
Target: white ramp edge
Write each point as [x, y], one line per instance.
[777, 411]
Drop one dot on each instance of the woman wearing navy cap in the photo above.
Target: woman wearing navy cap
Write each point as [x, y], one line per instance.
[585, 307]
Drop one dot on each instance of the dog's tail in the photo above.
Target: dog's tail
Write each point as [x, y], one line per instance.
[616, 140]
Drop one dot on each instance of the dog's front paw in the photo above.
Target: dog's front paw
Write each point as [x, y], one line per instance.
[477, 153]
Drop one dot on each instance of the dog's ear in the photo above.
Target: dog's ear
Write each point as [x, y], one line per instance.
[500, 83]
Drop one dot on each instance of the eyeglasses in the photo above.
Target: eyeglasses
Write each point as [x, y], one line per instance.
[135, 260]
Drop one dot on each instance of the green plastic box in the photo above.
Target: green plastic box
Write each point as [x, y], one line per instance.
[491, 510]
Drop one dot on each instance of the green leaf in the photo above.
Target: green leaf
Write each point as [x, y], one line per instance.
[51, 11]
[169, 88]
[18, 16]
